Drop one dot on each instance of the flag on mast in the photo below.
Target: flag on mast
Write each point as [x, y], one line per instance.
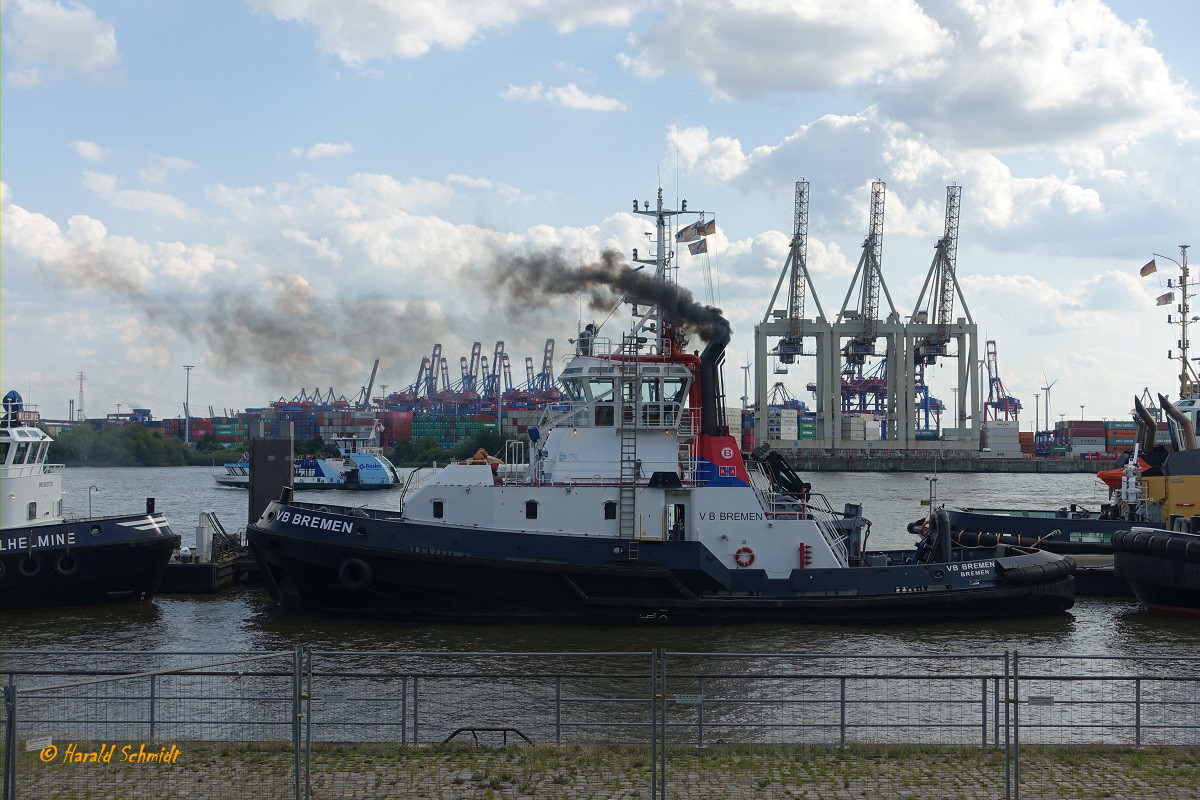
[696, 248]
[1150, 268]
[1165, 299]
[697, 229]
[689, 234]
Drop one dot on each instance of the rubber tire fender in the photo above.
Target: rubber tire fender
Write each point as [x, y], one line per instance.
[1157, 543]
[35, 570]
[66, 564]
[355, 575]
[1032, 574]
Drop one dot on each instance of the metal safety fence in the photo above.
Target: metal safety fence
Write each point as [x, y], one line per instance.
[307, 723]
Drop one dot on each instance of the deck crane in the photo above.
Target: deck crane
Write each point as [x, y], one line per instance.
[862, 346]
[999, 405]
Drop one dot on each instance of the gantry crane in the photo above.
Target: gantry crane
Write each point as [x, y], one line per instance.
[999, 405]
[870, 270]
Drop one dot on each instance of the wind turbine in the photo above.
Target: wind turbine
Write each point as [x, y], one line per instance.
[746, 383]
[1049, 385]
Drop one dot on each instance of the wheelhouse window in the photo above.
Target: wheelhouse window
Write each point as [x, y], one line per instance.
[22, 453]
[531, 508]
[610, 509]
[439, 509]
[574, 388]
[3, 452]
[605, 417]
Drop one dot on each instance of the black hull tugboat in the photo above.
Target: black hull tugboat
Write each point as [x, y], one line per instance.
[1073, 529]
[631, 502]
[1162, 567]
[46, 560]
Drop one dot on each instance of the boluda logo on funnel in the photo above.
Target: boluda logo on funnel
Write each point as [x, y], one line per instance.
[314, 521]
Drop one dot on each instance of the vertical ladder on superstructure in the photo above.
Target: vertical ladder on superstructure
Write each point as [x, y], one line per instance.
[627, 392]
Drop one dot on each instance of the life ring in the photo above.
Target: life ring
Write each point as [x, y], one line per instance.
[355, 574]
[30, 565]
[66, 564]
[744, 557]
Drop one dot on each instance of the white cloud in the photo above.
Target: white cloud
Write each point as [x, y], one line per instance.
[321, 247]
[359, 31]
[50, 39]
[325, 150]
[105, 186]
[1023, 72]
[161, 166]
[569, 96]
[751, 47]
[241, 202]
[469, 181]
[89, 151]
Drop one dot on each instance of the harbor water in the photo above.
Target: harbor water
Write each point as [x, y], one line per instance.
[244, 619]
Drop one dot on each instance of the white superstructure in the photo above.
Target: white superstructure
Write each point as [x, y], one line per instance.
[32, 488]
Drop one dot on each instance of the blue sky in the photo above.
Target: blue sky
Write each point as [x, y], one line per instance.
[280, 191]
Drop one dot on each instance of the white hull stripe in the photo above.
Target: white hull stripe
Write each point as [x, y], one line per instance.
[141, 525]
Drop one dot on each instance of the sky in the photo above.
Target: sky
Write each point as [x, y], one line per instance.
[278, 192]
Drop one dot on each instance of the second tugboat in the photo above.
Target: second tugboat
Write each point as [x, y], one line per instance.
[46, 560]
[636, 504]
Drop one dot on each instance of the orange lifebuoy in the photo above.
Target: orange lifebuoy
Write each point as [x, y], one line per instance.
[744, 557]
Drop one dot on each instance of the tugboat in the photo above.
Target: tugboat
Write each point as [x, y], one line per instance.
[362, 465]
[1163, 566]
[631, 502]
[1073, 529]
[46, 560]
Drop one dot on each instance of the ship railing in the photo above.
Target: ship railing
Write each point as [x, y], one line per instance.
[655, 415]
[601, 346]
[30, 470]
[644, 415]
[826, 519]
[812, 506]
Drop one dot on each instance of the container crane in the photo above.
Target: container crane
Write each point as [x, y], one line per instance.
[999, 405]
[870, 270]
[800, 283]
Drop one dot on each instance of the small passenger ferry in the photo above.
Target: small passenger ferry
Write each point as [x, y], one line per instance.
[360, 465]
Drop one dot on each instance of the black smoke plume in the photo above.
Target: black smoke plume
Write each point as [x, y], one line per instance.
[529, 278]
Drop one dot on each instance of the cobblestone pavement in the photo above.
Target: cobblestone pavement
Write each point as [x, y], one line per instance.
[616, 773]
